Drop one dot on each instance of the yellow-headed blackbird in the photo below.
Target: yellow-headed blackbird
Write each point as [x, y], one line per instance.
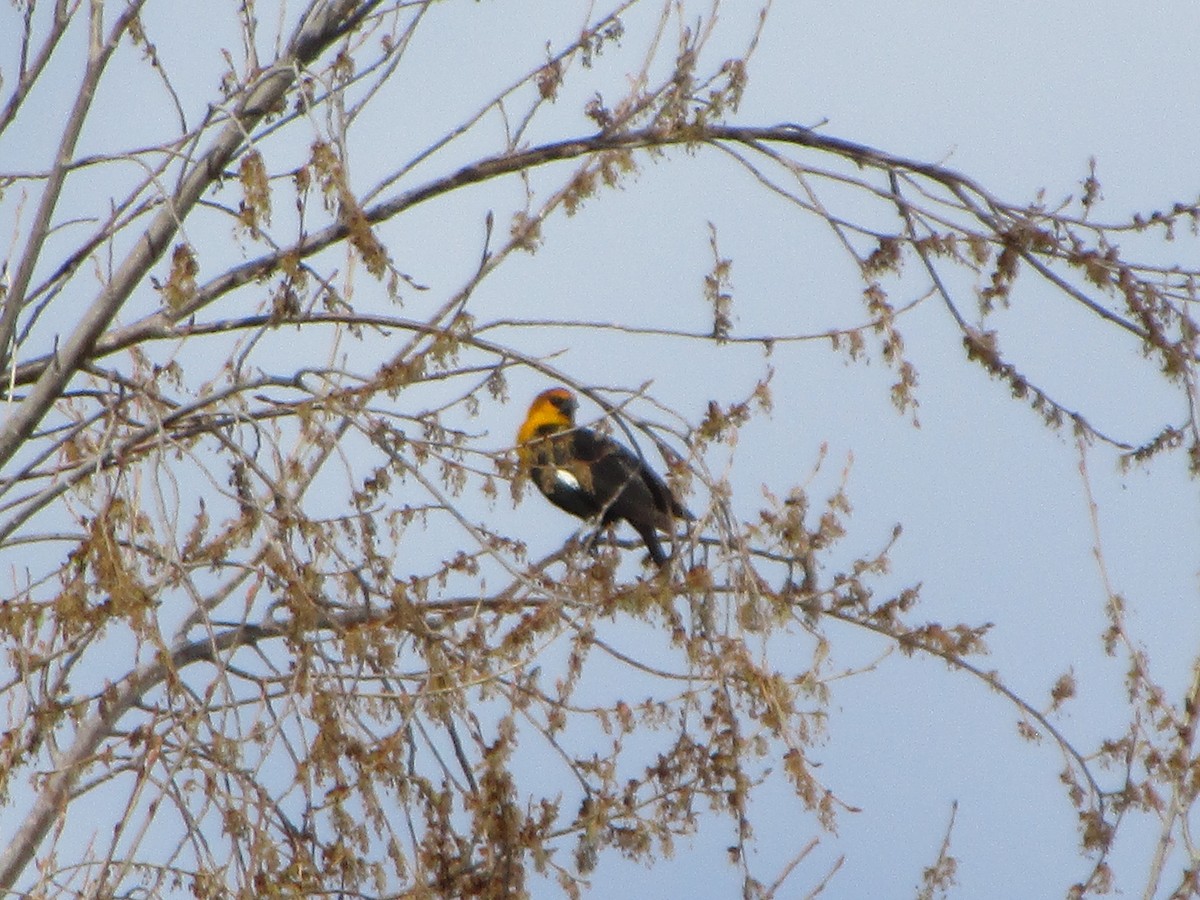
[592, 476]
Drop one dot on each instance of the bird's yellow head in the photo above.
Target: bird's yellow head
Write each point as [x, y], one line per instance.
[551, 411]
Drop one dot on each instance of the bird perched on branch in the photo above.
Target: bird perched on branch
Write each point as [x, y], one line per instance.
[592, 476]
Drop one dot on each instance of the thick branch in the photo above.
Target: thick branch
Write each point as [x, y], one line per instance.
[161, 324]
[257, 101]
[99, 53]
[52, 799]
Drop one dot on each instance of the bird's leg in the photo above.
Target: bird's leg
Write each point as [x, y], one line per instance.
[591, 539]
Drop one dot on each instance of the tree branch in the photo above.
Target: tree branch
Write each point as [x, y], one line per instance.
[257, 101]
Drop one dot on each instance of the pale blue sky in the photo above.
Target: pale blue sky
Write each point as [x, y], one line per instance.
[1019, 96]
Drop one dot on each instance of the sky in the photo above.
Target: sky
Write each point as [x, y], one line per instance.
[1020, 97]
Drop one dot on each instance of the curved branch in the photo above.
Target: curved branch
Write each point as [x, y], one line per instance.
[52, 798]
[99, 53]
[257, 100]
[161, 324]
[957, 662]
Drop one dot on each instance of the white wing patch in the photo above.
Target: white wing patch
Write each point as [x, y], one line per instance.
[565, 479]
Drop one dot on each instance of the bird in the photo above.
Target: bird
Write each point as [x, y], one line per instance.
[592, 476]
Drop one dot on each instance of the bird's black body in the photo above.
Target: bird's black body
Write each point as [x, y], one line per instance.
[592, 476]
